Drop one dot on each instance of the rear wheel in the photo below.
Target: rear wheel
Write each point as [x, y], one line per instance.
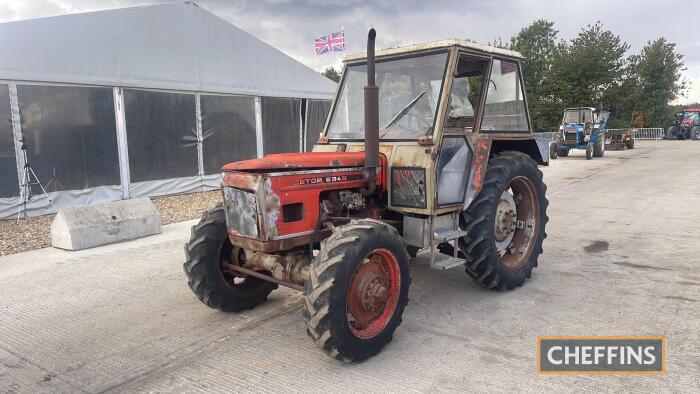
[630, 143]
[589, 151]
[357, 290]
[672, 133]
[599, 144]
[209, 253]
[506, 223]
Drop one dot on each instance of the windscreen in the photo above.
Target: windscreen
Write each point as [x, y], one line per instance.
[409, 91]
[694, 116]
[583, 115]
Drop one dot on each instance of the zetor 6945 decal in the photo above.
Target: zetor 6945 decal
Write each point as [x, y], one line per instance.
[435, 152]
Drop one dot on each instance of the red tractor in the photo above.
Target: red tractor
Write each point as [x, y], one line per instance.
[436, 152]
[686, 126]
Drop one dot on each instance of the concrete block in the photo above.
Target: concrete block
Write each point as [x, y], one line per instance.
[100, 224]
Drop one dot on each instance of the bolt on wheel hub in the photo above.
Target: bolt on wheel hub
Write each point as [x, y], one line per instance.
[373, 293]
[505, 221]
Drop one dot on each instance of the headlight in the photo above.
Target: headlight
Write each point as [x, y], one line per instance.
[408, 187]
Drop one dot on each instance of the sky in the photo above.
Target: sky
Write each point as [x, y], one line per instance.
[292, 25]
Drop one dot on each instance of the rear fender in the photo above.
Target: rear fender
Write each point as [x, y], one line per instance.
[537, 149]
[485, 148]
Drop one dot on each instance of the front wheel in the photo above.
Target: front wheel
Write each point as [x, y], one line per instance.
[357, 290]
[599, 144]
[506, 223]
[209, 254]
[695, 133]
[589, 150]
[553, 151]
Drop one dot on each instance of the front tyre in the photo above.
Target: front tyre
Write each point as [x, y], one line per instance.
[599, 144]
[506, 223]
[208, 256]
[357, 290]
[589, 150]
[695, 133]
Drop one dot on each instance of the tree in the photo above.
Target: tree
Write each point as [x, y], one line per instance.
[583, 69]
[331, 73]
[659, 68]
[537, 43]
[622, 98]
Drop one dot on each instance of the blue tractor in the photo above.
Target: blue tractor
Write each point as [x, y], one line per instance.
[581, 128]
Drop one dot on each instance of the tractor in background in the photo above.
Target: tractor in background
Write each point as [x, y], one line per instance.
[686, 126]
[581, 128]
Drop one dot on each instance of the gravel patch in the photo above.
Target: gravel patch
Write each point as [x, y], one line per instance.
[183, 207]
[35, 232]
[29, 234]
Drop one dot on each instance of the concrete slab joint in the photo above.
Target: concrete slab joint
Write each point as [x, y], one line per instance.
[94, 225]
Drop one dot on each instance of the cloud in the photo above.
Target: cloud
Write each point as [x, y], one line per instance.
[292, 25]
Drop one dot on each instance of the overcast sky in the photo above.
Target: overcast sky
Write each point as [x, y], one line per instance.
[292, 25]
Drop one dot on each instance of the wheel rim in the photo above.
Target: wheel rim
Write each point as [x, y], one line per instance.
[373, 293]
[230, 255]
[517, 230]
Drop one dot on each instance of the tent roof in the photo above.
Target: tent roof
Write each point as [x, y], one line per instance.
[175, 46]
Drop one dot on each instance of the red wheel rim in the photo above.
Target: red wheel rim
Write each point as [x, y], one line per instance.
[373, 293]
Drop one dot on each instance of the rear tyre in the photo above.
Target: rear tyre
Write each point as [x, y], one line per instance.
[630, 143]
[599, 144]
[504, 244]
[553, 151]
[357, 290]
[672, 133]
[208, 255]
[562, 152]
[589, 151]
[695, 133]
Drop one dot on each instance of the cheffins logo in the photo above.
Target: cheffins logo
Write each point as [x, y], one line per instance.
[601, 355]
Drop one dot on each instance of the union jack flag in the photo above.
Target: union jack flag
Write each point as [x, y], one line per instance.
[334, 42]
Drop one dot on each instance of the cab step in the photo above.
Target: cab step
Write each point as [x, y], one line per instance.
[448, 235]
[448, 263]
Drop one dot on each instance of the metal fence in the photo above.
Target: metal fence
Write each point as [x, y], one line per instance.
[647, 133]
[549, 136]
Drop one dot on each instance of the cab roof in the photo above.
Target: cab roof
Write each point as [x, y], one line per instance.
[454, 42]
[579, 108]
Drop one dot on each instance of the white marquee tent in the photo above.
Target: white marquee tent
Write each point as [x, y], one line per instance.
[144, 101]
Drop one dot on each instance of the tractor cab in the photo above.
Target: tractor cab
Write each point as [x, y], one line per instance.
[426, 147]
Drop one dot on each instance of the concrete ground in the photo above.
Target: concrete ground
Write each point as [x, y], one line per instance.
[621, 259]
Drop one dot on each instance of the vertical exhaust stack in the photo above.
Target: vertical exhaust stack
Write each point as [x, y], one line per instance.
[371, 119]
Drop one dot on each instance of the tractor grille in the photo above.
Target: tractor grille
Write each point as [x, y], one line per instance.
[570, 136]
[241, 211]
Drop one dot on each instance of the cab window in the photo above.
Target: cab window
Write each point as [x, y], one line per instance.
[504, 108]
[465, 92]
